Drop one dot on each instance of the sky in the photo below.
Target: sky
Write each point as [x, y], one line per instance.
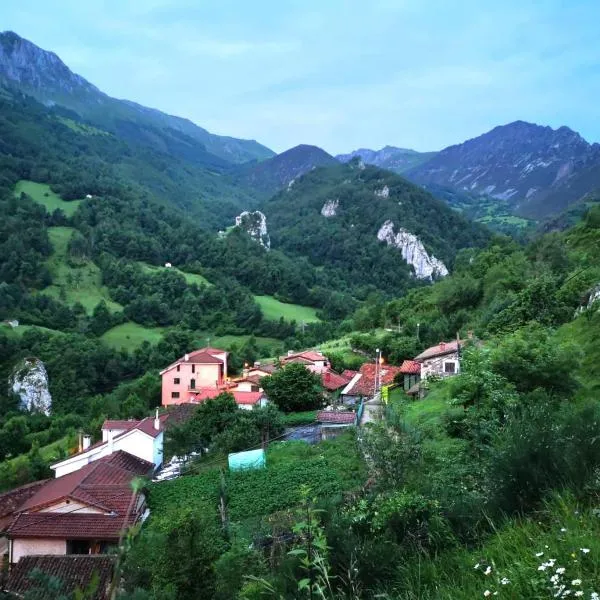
[339, 74]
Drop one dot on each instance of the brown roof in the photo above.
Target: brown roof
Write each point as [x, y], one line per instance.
[202, 356]
[440, 349]
[337, 418]
[11, 501]
[307, 355]
[74, 571]
[410, 367]
[119, 424]
[90, 483]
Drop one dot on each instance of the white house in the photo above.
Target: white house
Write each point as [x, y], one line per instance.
[143, 439]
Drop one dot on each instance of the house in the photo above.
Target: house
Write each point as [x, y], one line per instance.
[442, 359]
[245, 399]
[411, 371]
[74, 572]
[82, 512]
[259, 370]
[202, 369]
[332, 381]
[141, 439]
[363, 384]
[312, 359]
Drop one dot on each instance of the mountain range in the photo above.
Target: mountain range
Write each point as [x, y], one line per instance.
[514, 170]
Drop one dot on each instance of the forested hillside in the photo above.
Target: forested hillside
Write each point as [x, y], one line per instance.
[332, 216]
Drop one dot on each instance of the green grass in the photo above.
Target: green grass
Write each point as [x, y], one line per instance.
[21, 329]
[81, 283]
[294, 419]
[191, 278]
[81, 128]
[559, 531]
[131, 335]
[273, 310]
[42, 194]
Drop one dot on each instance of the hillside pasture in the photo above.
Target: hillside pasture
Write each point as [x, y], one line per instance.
[81, 282]
[42, 194]
[129, 336]
[191, 278]
[273, 310]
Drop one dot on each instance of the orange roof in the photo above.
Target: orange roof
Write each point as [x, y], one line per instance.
[410, 367]
[308, 355]
[333, 381]
[239, 397]
[365, 385]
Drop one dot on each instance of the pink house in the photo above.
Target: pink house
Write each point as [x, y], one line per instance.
[203, 369]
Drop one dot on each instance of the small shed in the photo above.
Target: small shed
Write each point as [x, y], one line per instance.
[251, 459]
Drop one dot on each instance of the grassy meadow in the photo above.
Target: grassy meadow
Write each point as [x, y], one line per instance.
[273, 310]
[42, 194]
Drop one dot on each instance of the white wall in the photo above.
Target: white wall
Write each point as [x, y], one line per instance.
[436, 365]
[33, 546]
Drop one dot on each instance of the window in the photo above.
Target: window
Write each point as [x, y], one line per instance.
[174, 394]
[176, 380]
[193, 368]
[78, 547]
[449, 367]
[193, 384]
[178, 368]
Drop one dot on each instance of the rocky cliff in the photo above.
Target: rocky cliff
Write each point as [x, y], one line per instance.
[29, 381]
[255, 225]
[426, 266]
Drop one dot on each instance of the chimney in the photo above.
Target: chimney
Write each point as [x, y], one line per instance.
[110, 441]
[87, 441]
[186, 357]
[442, 346]
[156, 421]
[290, 353]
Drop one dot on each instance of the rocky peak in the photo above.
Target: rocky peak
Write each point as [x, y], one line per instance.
[35, 69]
[255, 225]
[518, 162]
[29, 381]
[389, 157]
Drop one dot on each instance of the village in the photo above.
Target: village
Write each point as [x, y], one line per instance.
[70, 525]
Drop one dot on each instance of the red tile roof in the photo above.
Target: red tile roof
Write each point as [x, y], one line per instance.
[74, 571]
[307, 355]
[202, 356]
[410, 367]
[333, 381]
[72, 526]
[440, 349]
[349, 374]
[365, 386]
[210, 350]
[242, 398]
[11, 501]
[336, 417]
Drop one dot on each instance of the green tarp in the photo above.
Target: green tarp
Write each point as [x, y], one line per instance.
[251, 459]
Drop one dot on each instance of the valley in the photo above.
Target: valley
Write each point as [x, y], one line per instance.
[291, 375]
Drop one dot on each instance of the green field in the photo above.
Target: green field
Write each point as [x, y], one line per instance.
[21, 329]
[191, 278]
[273, 310]
[81, 283]
[81, 128]
[42, 194]
[131, 335]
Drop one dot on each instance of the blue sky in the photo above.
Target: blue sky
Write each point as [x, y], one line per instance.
[340, 74]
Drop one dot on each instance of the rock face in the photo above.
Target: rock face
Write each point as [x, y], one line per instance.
[426, 266]
[255, 225]
[330, 208]
[29, 381]
[384, 192]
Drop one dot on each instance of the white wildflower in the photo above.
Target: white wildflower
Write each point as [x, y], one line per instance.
[542, 567]
[488, 570]
[585, 550]
[579, 593]
[555, 579]
[476, 566]
[505, 581]
[576, 582]
[563, 529]
[538, 554]
[560, 570]
[487, 593]
[595, 596]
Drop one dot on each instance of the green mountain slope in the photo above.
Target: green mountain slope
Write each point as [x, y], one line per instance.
[332, 216]
[42, 74]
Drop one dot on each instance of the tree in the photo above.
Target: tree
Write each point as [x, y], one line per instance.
[293, 388]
